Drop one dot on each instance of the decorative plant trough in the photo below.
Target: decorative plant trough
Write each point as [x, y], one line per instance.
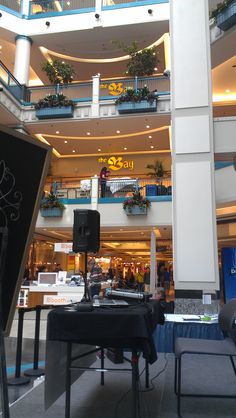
[49, 212]
[136, 210]
[137, 107]
[55, 112]
[227, 17]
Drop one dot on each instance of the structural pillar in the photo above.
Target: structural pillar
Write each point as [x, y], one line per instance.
[94, 193]
[153, 263]
[25, 7]
[194, 215]
[95, 98]
[22, 58]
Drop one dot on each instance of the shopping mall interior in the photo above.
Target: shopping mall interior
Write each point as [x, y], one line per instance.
[145, 90]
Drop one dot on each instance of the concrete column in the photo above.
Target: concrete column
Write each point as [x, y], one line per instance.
[22, 58]
[194, 219]
[25, 7]
[98, 6]
[153, 263]
[95, 98]
[94, 193]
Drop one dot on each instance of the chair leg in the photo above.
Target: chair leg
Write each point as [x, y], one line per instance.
[179, 387]
[102, 365]
[232, 362]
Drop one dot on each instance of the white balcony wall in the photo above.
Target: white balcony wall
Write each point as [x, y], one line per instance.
[225, 183]
[78, 22]
[113, 215]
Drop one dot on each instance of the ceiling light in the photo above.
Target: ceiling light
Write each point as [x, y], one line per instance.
[150, 137]
[142, 233]
[73, 150]
[99, 149]
[0, 46]
[125, 148]
[88, 133]
[227, 91]
[118, 132]
[65, 142]
[68, 3]
[151, 146]
[155, 69]
[147, 126]
[57, 132]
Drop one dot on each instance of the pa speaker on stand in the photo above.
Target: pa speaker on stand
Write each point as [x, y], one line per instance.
[86, 237]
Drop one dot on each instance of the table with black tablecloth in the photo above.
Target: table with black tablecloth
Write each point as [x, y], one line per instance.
[128, 327]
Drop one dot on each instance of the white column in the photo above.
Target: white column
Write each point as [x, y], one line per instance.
[94, 193]
[194, 219]
[22, 58]
[25, 7]
[95, 97]
[98, 7]
[153, 263]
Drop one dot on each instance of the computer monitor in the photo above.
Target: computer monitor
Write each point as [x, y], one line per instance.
[47, 279]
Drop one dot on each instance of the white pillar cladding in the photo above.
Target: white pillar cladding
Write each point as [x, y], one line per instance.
[22, 58]
[194, 219]
[25, 7]
[153, 263]
[95, 98]
[98, 6]
[94, 193]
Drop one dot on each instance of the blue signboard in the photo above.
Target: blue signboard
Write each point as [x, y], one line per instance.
[229, 272]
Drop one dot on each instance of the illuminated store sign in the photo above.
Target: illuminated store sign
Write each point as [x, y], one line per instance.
[115, 89]
[117, 163]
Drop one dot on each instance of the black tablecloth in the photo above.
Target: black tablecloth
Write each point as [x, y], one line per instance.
[126, 327]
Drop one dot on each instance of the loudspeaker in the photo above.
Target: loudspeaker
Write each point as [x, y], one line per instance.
[86, 231]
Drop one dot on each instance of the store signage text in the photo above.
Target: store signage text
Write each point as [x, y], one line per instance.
[117, 163]
[115, 89]
[63, 247]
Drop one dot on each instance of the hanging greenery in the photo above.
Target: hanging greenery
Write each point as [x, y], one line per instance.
[220, 7]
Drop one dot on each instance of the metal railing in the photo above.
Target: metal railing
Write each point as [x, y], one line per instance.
[60, 6]
[109, 89]
[19, 91]
[110, 3]
[11, 4]
[114, 188]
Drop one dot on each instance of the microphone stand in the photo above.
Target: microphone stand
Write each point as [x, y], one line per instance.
[86, 297]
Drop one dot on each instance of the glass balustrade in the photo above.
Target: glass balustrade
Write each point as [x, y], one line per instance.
[11, 4]
[60, 6]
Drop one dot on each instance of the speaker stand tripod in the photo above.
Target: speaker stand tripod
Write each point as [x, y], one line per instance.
[86, 297]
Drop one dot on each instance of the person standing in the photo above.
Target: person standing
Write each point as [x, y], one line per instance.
[146, 279]
[104, 173]
[139, 277]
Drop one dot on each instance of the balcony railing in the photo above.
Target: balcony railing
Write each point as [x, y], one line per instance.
[11, 4]
[109, 89]
[125, 3]
[114, 188]
[60, 6]
[19, 91]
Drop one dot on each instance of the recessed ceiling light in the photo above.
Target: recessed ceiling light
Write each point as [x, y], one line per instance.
[151, 146]
[227, 91]
[142, 233]
[155, 69]
[99, 149]
[0, 46]
[150, 137]
[118, 132]
[68, 3]
[147, 126]
[57, 132]
[65, 142]
[125, 148]
[88, 133]
[73, 150]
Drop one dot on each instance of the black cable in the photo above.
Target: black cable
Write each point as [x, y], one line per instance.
[156, 376]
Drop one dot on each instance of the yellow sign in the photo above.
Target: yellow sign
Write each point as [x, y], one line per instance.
[117, 163]
[115, 89]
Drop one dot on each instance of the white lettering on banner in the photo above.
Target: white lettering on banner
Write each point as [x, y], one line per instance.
[61, 299]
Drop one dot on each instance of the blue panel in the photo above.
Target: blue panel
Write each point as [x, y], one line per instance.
[229, 272]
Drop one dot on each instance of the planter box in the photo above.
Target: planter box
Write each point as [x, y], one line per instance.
[131, 107]
[56, 212]
[136, 210]
[227, 18]
[55, 112]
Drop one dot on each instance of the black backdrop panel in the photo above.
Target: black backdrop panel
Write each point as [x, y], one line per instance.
[23, 167]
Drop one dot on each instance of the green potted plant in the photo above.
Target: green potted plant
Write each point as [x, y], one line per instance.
[224, 14]
[51, 206]
[136, 205]
[142, 62]
[136, 100]
[157, 173]
[56, 105]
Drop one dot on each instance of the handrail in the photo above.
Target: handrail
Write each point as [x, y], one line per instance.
[19, 91]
